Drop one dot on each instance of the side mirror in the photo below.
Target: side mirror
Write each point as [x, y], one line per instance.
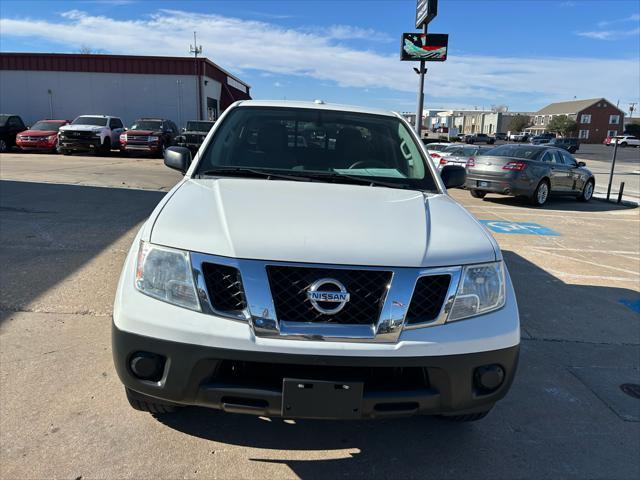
[453, 176]
[177, 158]
[582, 164]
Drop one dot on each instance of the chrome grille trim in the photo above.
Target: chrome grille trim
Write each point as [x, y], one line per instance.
[260, 313]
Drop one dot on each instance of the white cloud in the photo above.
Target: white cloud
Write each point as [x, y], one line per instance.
[266, 48]
[632, 18]
[609, 34]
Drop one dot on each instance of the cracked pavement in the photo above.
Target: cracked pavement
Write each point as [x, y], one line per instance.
[63, 413]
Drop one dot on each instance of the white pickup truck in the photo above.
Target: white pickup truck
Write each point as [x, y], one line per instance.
[91, 133]
[332, 278]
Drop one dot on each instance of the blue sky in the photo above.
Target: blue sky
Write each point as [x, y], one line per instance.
[519, 53]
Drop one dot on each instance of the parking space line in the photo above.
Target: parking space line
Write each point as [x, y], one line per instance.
[620, 253]
[558, 273]
[631, 272]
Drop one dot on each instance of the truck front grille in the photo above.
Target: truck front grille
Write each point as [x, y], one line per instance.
[428, 296]
[367, 290]
[74, 134]
[224, 285]
[194, 138]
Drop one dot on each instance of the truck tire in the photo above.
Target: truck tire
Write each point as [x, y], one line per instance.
[469, 417]
[105, 148]
[64, 151]
[144, 403]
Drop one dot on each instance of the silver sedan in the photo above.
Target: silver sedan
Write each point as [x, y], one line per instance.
[460, 154]
[532, 171]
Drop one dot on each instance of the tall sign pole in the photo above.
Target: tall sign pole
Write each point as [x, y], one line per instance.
[421, 74]
[426, 10]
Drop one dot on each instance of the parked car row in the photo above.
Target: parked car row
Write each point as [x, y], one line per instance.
[100, 134]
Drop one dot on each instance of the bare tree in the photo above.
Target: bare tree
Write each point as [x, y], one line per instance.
[85, 49]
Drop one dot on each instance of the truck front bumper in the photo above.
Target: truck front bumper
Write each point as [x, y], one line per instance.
[254, 382]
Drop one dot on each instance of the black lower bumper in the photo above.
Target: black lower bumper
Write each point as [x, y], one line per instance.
[253, 382]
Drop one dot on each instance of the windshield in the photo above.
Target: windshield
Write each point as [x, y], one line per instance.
[147, 125]
[97, 121]
[319, 144]
[438, 147]
[199, 126]
[517, 151]
[47, 126]
[3, 120]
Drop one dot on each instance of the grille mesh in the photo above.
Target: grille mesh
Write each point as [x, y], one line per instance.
[367, 289]
[428, 297]
[224, 285]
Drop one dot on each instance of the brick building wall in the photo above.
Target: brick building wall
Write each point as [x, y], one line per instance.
[600, 124]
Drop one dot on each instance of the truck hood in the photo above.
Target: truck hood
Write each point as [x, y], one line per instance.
[320, 223]
[80, 127]
[37, 133]
[143, 133]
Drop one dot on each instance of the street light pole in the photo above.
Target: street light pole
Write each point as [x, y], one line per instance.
[196, 50]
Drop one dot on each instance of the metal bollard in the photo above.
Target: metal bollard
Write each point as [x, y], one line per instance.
[620, 192]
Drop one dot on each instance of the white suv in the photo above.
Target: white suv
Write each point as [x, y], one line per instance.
[625, 141]
[330, 278]
[91, 133]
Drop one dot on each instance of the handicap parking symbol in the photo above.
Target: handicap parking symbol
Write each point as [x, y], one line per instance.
[519, 228]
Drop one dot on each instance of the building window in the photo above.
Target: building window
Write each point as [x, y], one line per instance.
[584, 134]
[612, 133]
[585, 118]
[542, 120]
[614, 119]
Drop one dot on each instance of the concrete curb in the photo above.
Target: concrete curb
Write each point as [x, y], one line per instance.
[602, 197]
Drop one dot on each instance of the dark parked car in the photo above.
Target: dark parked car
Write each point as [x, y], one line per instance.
[41, 137]
[570, 144]
[542, 139]
[480, 138]
[149, 135]
[501, 136]
[533, 171]
[10, 126]
[193, 135]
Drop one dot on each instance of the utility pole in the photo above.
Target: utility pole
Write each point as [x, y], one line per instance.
[421, 73]
[197, 50]
[632, 107]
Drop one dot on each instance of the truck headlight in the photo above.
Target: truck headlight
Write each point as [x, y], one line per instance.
[481, 290]
[165, 273]
[154, 138]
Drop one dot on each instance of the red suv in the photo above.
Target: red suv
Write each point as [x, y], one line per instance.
[148, 135]
[42, 136]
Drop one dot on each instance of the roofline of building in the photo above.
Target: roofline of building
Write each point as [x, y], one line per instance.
[108, 56]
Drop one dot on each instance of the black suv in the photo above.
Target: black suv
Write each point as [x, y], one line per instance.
[570, 144]
[480, 138]
[10, 126]
[193, 135]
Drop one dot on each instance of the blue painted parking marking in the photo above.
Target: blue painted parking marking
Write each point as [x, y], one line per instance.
[519, 228]
[633, 305]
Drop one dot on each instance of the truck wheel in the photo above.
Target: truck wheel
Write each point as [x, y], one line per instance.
[469, 417]
[105, 148]
[541, 193]
[65, 152]
[477, 193]
[3, 146]
[144, 403]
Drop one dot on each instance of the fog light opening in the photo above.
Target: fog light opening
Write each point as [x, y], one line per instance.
[147, 366]
[488, 378]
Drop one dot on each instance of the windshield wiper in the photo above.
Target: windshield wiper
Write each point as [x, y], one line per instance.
[244, 171]
[370, 181]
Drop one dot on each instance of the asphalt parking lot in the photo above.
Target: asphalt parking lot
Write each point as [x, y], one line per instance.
[65, 226]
